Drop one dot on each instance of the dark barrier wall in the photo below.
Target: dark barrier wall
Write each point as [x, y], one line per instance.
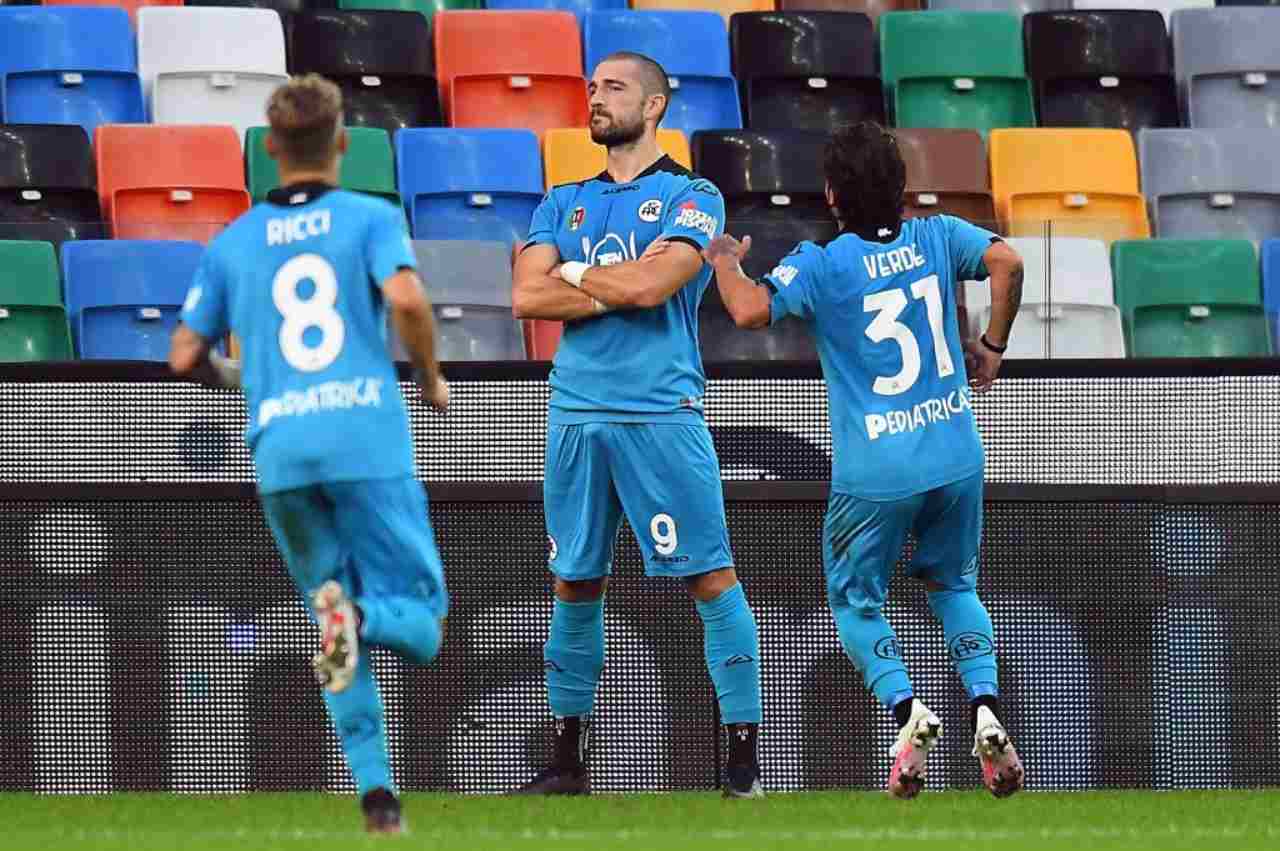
[149, 637]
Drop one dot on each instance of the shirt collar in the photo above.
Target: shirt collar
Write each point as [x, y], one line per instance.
[299, 193]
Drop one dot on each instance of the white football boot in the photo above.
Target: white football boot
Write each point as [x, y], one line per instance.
[1002, 771]
[910, 751]
[335, 664]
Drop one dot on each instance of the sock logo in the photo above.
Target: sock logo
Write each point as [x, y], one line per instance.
[971, 567]
[888, 648]
[548, 665]
[970, 645]
[738, 659]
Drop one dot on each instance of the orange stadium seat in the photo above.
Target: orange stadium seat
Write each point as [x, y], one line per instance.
[169, 181]
[569, 155]
[726, 8]
[1082, 181]
[130, 6]
[511, 69]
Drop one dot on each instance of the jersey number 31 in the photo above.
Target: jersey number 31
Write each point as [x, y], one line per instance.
[889, 305]
[314, 312]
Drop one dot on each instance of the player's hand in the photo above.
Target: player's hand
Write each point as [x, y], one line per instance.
[725, 250]
[983, 365]
[436, 394]
[657, 247]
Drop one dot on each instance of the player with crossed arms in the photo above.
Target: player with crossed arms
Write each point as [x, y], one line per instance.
[626, 428]
[880, 302]
[304, 281]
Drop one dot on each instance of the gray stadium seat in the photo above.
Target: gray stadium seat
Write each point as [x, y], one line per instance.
[1018, 7]
[470, 288]
[1212, 183]
[1227, 62]
[1068, 302]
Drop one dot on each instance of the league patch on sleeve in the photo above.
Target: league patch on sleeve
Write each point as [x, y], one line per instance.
[691, 217]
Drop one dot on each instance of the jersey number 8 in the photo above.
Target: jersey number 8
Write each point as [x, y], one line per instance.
[315, 312]
[889, 305]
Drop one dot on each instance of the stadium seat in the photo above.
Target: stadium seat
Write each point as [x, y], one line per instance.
[805, 70]
[284, 7]
[47, 185]
[469, 184]
[542, 338]
[1068, 302]
[692, 47]
[725, 8]
[1271, 286]
[1108, 68]
[579, 7]
[210, 66]
[1247, 3]
[130, 6]
[369, 165]
[511, 69]
[1018, 7]
[873, 9]
[946, 173]
[935, 77]
[427, 8]
[68, 66]
[124, 297]
[721, 340]
[1165, 7]
[33, 322]
[382, 61]
[169, 182]
[570, 156]
[1212, 183]
[1228, 66]
[1190, 298]
[1081, 182]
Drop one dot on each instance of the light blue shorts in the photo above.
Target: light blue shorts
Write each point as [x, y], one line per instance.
[665, 477]
[862, 541]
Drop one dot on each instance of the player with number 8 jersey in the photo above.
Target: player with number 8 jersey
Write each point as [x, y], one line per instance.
[306, 281]
[880, 302]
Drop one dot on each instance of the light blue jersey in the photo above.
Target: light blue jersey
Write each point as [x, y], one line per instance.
[298, 280]
[884, 319]
[633, 365]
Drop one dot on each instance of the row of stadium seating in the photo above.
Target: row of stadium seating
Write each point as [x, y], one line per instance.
[187, 181]
[120, 299]
[776, 70]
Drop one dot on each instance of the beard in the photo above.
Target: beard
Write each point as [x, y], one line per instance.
[616, 134]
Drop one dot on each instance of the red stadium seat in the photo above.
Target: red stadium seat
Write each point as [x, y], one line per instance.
[542, 338]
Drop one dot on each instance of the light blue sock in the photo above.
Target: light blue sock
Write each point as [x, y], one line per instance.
[405, 625]
[873, 648]
[356, 714]
[573, 657]
[970, 639]
[732, 646]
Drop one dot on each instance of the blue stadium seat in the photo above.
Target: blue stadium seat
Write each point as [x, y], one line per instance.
[693, 47]
[1271, 285]
[472, 184]
[68, 65]
[123, 297]
[578, 7]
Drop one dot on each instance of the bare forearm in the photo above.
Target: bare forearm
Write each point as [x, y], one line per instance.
[1006, 298]
[745, 300]
[545, 297]
[417, 330]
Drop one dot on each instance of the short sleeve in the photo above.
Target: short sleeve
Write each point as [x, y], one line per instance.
[542, 227]
[388, 248]
[205, 308]
[966, 243]
[694, 214]
[794, 282]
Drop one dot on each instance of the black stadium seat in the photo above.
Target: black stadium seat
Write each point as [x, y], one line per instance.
[805, 70]
[1101, 68]
[382, 60]
[47, 186]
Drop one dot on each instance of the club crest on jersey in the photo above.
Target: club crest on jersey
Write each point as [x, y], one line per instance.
[575, 220]
[650, 210]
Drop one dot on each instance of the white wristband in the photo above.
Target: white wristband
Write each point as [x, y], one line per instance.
[571, 273]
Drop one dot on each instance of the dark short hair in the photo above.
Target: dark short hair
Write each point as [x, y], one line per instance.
[653, 77]
[865, 171]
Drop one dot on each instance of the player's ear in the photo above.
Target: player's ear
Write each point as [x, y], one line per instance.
[654, 105]
[344, 141]
[831, 196]
[273, 149]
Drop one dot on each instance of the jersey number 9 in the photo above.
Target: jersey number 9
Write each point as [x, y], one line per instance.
[315, 312]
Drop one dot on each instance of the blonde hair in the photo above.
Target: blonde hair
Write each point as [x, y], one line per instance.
[305, 115]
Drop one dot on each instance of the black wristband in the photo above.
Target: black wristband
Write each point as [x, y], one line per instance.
[992, 346]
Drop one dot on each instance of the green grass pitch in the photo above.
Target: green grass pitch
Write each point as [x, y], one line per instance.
[830, 820]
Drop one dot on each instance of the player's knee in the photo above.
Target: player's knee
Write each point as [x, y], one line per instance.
[705, 587]
[580, 590]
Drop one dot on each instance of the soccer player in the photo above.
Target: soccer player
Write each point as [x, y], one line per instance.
[880, 301]
[626, 427]
[304, 281]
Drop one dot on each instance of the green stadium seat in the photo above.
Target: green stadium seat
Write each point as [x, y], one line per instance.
[29, 275]
[368, 167]
[1190, 298]
[428, 8]
[34, 334]
[955, 69]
